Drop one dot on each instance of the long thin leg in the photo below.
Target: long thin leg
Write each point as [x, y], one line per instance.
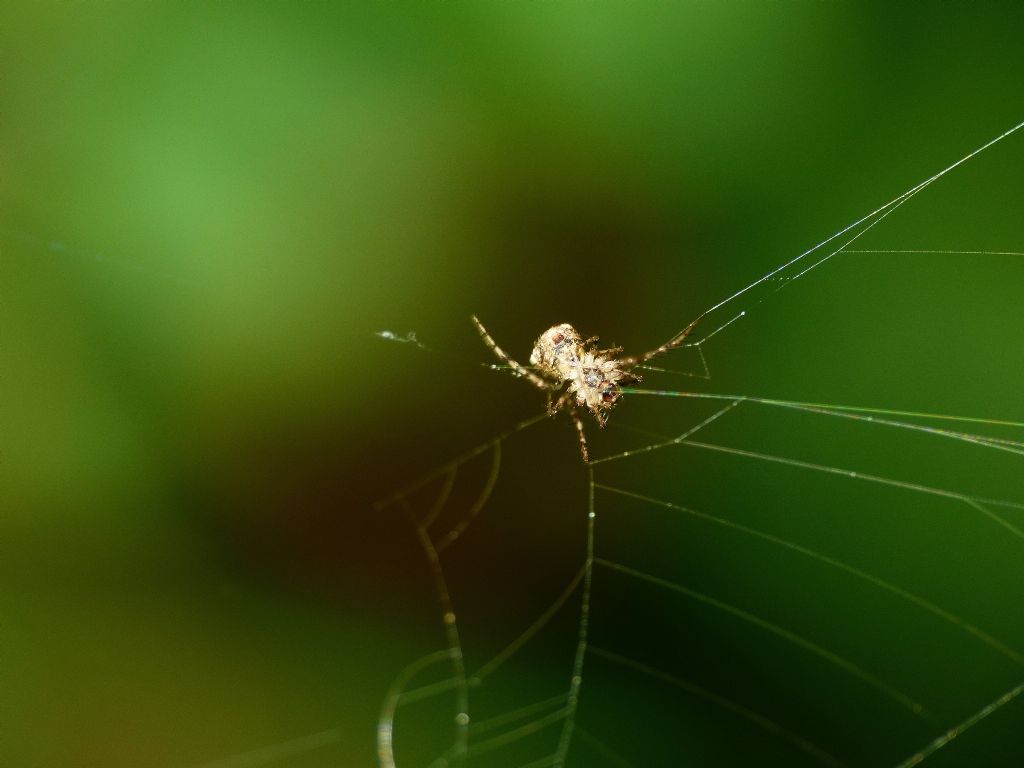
[530, 376]
[554, 406]
[603, 352]
[562, 401]
[582, 435]
[675, 341]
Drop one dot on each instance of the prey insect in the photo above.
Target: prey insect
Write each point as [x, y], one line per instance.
[575, 374]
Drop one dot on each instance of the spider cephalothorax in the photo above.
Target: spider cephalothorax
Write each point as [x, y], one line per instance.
[575, 375]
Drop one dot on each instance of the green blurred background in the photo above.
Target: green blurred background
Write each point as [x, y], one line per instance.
[209, 210]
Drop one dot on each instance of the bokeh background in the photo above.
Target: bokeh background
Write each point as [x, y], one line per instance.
[209, 210]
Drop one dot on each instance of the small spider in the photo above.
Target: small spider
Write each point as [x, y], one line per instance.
[574, 375]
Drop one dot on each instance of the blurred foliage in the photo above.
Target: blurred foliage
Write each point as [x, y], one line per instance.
[208, 210]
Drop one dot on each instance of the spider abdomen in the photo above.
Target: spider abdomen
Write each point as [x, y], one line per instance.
[558, 352]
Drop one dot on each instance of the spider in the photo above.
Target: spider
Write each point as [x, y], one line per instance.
[575, 375]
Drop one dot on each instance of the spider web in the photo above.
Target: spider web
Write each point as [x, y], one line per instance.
[539, 731]
[723, 551]
[819, 567]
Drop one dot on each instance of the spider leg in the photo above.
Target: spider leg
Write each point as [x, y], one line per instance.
[673, 343]
[629, 379]
[610, 352]
[530, 376]
[559, 404]
[581, 434]
[554, 406]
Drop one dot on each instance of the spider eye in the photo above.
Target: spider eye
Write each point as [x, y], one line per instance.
[558, 338]
[609, 395]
